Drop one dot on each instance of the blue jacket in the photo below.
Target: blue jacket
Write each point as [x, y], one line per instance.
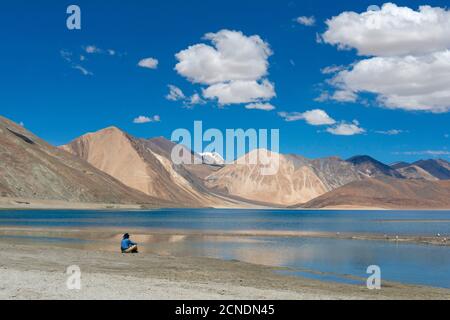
[126, 243]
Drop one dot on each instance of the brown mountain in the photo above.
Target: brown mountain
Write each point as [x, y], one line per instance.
[431, 169]
[30, 168]
[142, 164]
[387, 192]
[415, 172]
[439, 168]
[370, 167]
[297, 180]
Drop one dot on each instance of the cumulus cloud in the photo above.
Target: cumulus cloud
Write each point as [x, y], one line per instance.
[240, 91]
[410, 83]
[150, 63]
[346, 129]
[306, 21]
[314, 117]
[175, 93]
[260, 106]
[410, 67]
[145, 119]
[233, 56]
[391, 31]
[233, 67]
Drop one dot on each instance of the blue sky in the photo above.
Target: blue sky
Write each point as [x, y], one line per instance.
[40, 88]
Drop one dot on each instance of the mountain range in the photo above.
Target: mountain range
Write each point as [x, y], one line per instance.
[111, 166]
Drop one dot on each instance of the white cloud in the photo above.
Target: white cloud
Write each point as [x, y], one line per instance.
[314, 117]
[410, 69]
[150, 63]
[240, 91]
[83, 70]
[409, 83]
[93, 49]
[344, 96]
[391, 132]
[332, 69]
[306, 21]
[260, 106]
[346, 129]
[324, 96]
[233, 56]
[68, 56]
[391, 31]
[175, 93]
[196, 99]
[145, 119]
[233, 67]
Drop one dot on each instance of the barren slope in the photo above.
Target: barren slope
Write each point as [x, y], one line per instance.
[387, 192]
[370, 167]
[294, 182]
[31, 168]
[141, 164]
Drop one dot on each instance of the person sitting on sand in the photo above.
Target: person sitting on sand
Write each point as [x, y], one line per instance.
[128, 246]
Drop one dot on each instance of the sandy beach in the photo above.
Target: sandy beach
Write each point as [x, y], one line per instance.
[33, 272]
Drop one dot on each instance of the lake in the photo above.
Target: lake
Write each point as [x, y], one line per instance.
[215, 233]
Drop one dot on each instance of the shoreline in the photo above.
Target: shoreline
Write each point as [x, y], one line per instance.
[33, 272]
[86, 232]
[37, 204]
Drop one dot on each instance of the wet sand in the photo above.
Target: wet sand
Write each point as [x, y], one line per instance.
[142, 234]
[36, 204]
[33, 272]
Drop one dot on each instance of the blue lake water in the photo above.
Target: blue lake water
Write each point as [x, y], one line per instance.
[336, 258]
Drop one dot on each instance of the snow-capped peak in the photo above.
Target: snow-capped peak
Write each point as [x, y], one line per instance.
[212, 158]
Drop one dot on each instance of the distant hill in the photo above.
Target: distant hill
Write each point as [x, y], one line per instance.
[370, 167]
[142, 164]
[416, 172]
[387, 192]
[431, 169]
[111, 166]
[297, 180]
[399, 165]
[436, 167]
[31, 168]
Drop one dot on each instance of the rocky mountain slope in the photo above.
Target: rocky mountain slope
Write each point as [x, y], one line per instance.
[416, 172]
[297, 179]
[439, 168]
[142, 164]
[31, 168]
[387, 192]
[110, 166]
[370, 167]
[431, 169]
